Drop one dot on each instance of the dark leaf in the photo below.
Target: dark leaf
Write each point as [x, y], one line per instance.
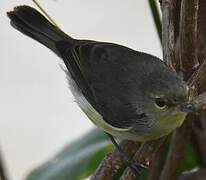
[76, 161]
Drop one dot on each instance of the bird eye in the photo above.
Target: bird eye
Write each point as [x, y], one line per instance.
[160, 103]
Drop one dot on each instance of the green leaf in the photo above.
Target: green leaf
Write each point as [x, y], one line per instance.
[76, 161]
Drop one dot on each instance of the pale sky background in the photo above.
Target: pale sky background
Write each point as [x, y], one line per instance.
[38, 114]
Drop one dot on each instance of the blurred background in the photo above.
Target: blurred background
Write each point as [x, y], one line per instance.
[38, 115]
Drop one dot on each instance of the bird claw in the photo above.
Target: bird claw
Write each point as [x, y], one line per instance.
[136, 168]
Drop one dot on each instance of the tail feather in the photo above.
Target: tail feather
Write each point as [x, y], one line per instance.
[33, 24]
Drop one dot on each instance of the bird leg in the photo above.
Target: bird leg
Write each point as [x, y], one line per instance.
[134, 166]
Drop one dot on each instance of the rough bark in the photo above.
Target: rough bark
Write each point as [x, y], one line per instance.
[188, 37]
[144, 155]
[188, 64]
[114, 161]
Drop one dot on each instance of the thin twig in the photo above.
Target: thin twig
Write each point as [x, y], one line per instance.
[46, 14]
[156, 18]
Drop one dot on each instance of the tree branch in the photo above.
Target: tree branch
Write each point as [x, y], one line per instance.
[158, 161]
[176, 150]
[202, 31]
[168, 31]
[189, 62]
[144, 155]
[188, 37]
[114, 161]
[199, 129]
[200, 125]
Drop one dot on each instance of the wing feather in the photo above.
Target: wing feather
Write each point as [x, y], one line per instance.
[103, 73]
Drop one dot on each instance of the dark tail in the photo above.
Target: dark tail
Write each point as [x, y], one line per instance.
[32, 23]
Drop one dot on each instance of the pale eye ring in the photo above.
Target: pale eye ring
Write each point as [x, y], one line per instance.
[160, 103]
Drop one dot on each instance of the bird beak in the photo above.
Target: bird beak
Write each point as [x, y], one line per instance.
[188, 107]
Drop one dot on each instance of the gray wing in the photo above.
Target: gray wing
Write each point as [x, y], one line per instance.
[107, 76]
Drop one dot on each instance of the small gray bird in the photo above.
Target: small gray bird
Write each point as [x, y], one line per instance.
[129, 94]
